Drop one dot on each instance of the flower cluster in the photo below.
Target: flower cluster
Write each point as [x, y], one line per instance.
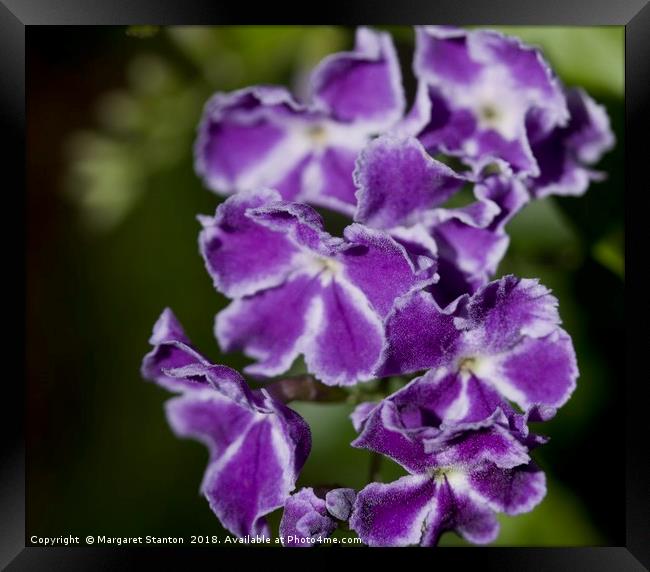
[409, 288]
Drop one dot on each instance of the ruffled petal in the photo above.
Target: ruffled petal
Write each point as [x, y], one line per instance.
[384, 432]
[492, 443]
[249, 478]
[535, 371]
[329, 181]
[504, 311]
[412, 347]
[565, 154]
[350, 337]
[271, 326]
[513, 491]
[250, 138]
[397, 180]
[394, 514]
[241, 255]
[364, 85]
[458, 511]
[175, 365]
[382, 268]
[300, 223]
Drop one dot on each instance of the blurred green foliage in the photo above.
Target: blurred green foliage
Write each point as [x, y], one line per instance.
[102, 459]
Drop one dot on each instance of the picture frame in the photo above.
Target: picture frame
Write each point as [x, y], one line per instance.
[16, 19]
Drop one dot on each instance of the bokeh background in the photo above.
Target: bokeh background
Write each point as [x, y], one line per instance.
[112, 239]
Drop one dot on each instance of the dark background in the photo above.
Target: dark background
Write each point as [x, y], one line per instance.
[112, 200]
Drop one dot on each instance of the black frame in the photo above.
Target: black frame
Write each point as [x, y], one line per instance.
[15, 15]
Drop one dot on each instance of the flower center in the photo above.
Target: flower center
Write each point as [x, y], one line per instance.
[317, 134]
[439, 474]
[325, 268]
[477, 365]
[489, 113]
[468, 364]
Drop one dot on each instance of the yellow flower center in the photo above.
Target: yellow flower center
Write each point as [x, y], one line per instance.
[439, 474]
[317, 135]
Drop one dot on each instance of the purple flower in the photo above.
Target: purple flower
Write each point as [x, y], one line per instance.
[406, 289]
[466, 456]
[308, 518]
[470, 249]
[417, 509]
[401, 188]
[565, 153]
[261, 137]
[506, 336]
[434, 411]
[257, 445]
[298, 290]
[476, 90]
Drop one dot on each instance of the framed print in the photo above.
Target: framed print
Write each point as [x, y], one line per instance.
[351, 283]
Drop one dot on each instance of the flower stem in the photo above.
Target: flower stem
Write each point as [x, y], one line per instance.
[305, 388]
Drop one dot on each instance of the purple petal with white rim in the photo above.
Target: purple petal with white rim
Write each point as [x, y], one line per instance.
[247, 138]
[535, 371]
[412, 347]
[475, 252]
[305, 519]
[397, 180]
[472, 240]
[589, 130]
[507, 193]
[493, 443]
[443, 417]
[348, 344]
[565, 154]
[500, 313]
[492, 146]
[441, 55]
[458, 511]
[242, 256]
[171, 350]
[361, 413]
[453, 283]
[418, 509]
[437, 125]
[364, 85]
[251, 472]
[272, 326]
[382, 268]
[394, 514]
[527, 70]
[513, 491]
[175, 365]
[384, 432]
[329, 182]
[300, 223]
